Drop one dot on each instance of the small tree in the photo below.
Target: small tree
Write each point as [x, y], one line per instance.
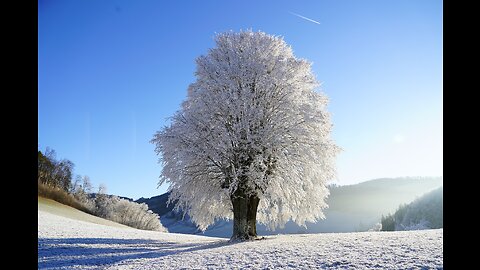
[103, 203]
[252, 137]
[87, 185]
[388, 223]
[82, 192]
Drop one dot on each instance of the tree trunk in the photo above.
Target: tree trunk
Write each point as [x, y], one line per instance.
[244, 215]
[240, 209]
[253, 201]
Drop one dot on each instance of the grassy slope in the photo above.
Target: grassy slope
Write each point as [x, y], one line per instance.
[56, 208]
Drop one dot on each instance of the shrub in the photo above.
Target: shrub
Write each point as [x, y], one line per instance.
[128, 213]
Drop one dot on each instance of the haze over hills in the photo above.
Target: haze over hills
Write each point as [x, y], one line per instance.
[423, 213]
[351, 208]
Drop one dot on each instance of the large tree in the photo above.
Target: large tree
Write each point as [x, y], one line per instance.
[252, 140]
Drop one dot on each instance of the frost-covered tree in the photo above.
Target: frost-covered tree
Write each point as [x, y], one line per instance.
[134, 214]
[252, 140]
[103, 203]
[82, 192]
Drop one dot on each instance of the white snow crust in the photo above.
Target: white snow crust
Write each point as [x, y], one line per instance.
[65, 243]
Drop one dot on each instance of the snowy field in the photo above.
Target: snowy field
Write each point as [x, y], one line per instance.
[65, 243]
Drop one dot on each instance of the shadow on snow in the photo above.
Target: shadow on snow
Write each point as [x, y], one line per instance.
[69, 252]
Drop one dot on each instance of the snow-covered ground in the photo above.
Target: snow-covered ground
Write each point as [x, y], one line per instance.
[65, 243]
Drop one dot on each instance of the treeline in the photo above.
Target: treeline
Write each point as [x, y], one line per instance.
[425, 212]
[54, 173]
[56, 181]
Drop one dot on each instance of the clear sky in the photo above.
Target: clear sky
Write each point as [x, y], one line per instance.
[110, 73]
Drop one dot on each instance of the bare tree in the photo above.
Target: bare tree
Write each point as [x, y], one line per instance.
[54, 173]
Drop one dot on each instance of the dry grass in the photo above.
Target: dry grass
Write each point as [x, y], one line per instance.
[60, 196]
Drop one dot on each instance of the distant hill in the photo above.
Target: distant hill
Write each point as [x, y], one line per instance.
[351, 208]
[423, 213]
[380, 194]
[174, 221]
[158, 204]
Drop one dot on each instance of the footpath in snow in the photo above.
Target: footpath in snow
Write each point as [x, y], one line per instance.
[65, 243]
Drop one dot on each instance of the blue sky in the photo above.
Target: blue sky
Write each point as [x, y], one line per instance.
[110, 73]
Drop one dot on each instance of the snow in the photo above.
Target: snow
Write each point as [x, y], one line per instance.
[65, 243]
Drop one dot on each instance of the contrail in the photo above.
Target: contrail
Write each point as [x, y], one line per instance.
[305, 18]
